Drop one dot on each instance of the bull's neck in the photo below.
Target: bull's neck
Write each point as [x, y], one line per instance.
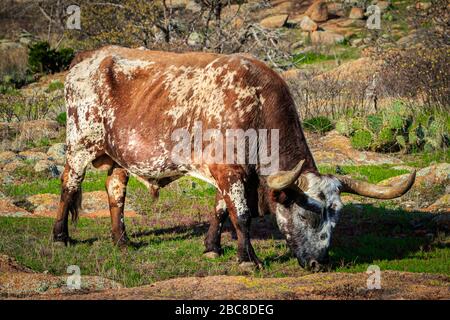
[293, 146]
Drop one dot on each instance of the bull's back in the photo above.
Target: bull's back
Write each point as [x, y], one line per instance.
[129, 101]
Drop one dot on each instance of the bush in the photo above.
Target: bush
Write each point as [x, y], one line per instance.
[62, 118]
[375, 122]
[318, 124]
[15, 106]
[44, 59]
[55, 85]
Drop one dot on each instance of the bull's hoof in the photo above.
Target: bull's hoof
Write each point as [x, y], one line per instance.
[59, 244]
[211, 255]
[247, 266]
[120, 240]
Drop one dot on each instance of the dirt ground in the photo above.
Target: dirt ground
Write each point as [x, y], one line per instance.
[17, 282]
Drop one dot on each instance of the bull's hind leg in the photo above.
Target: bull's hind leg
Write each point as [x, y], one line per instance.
[116, 185]
[70, 201]
[212, 241]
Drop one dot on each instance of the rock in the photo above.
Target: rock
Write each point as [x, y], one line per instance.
[9, 209]
[318, 11]
[48, 166]
[326, 37]
[38, 129]
[356, 42]
[336, 9]
[58, 153]
[8, 130]
[284, 7]
[307, 24]
[193, 6]
[177, 4]
[94, 204]
[237, 23]
[297, 45]
[274, 22]
[334, 149]
[407, 40]
[33, 155]
[7, 157]
[5, 178]
[356, 13]
[440, 205]
[383, 5]
[356, 70]
[437, 174]
[295, 19]
[13, 166]
[423, 5]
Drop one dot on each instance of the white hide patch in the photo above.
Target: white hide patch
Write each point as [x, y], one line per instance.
[237, 196]
[221, 205]
[195, 91]
[129, 67]
[328, 186]
[116, 189]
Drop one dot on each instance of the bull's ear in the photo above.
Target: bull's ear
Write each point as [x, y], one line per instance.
[284, 179]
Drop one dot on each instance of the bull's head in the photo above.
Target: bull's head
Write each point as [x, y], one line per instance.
[307, 208]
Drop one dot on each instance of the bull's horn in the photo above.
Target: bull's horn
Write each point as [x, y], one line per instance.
[283, 179]
[378, 192]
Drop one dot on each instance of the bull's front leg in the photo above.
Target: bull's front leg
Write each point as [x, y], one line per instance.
[116, 184]
[238, 198]
[213, 248]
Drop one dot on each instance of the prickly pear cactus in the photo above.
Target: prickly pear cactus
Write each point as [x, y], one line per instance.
[375, 122]
[395, 122]
[343, 126]
[385, 139]
[357, 124]
[362, 139]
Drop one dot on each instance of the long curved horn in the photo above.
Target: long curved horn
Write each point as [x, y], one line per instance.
[378, 192]
[283, 179]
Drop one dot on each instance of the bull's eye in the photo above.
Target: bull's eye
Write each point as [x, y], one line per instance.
[323, 236]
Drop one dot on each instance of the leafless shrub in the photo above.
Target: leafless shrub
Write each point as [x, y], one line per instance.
[13, 62]
[33, 107]
[331, 95]
[419, 73]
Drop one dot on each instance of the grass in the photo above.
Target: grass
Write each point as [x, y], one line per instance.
[370, 173]
[168, 237]
[94, 181]
[340, 52]
[159, 253]
[425, 159]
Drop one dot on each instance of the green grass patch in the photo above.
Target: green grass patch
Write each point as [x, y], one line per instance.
[370, 173]
[363, 237]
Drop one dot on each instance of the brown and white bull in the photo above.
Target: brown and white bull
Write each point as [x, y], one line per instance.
[124, 104]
